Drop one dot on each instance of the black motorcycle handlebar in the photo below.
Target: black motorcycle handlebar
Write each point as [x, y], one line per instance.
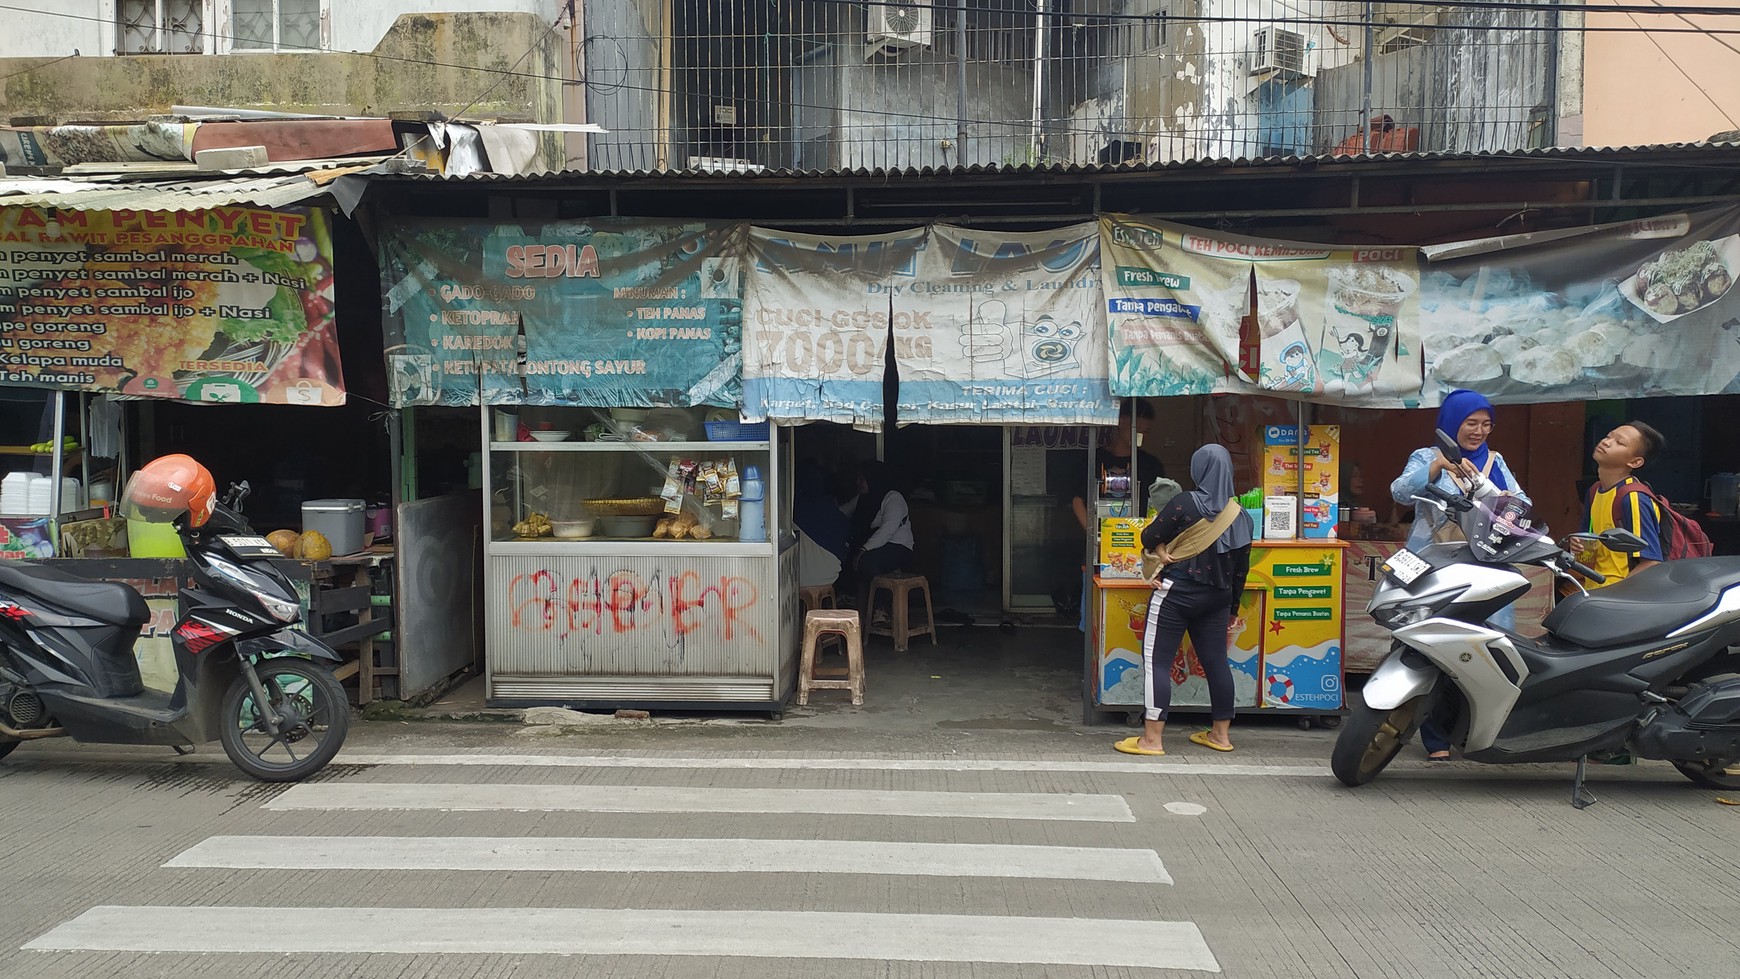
[1588, 572]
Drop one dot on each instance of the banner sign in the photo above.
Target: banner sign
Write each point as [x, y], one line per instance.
[817, 312]
[1004, 328]
[1331, 324]
[607, 312]
[231, 304]
[1637, 309]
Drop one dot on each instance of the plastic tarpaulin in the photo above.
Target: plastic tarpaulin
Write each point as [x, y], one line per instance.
[1004, 328]
[228, 304]
[607, 312]
[1636, 309]
[1198, 312]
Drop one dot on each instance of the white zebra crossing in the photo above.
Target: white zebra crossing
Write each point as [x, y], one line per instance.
[586, 931]
[673, 931]
[472, 797]
[680, 855]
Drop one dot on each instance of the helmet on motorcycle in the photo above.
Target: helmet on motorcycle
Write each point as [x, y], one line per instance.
[168, 487]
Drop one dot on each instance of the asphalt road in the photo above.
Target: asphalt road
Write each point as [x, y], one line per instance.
[730, 850]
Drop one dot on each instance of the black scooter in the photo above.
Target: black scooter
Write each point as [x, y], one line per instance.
[247, 677]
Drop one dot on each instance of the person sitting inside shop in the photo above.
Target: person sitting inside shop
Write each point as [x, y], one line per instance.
[885, 527]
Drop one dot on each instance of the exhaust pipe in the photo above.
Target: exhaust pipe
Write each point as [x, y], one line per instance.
[32, 734]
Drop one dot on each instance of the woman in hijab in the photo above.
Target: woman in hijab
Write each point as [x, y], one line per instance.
[815, 512]
[1198, 596]
[883, 530]
[1468, 418]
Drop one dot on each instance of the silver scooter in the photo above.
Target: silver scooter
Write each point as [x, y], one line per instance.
[1646, 665]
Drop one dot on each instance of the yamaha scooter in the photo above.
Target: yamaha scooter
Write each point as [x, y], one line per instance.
[1646, 665]
[248, 677]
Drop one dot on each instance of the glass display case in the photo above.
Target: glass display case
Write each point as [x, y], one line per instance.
[637, 558]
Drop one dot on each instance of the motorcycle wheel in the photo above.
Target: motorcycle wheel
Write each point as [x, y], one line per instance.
[1370, 739]
[1711, 776]
[314, 703]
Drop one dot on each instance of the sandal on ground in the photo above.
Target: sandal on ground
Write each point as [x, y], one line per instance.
[1432, 756]
[1130, 746]
[1202, 738]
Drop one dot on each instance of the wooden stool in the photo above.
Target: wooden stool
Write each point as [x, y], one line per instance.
[899, 587]
[842, 622]
[812, 597]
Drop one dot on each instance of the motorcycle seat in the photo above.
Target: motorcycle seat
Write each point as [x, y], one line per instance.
[1646, 605]
[101, 600]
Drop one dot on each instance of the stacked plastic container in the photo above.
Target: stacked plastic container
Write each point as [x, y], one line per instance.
[27, 494]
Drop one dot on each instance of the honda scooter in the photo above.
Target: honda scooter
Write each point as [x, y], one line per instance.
[248, 677]
[1646, 665]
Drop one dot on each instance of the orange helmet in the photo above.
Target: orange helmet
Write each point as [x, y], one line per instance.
[169, 486]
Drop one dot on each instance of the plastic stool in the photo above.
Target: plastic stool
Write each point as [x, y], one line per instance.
[899, 587]
[812, 597]
[832, 621]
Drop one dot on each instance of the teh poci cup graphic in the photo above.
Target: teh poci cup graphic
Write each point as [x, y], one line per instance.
[1364, 301]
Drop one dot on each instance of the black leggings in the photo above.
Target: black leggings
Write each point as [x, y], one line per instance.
[1180, 607]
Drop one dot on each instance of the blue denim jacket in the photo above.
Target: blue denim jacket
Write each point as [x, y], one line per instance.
[1412, 483]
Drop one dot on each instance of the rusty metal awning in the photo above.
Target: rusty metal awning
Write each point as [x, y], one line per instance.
[173, 191]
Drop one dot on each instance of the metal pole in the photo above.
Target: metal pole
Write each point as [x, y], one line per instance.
[55, 468]
[961, 83]
[1038, 76]
[1365, 91]
[1550, 133]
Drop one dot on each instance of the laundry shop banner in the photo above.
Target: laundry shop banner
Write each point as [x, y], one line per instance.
[817, 313]
[1003, 328]
[1201, 312]
[1636, 309]
[606, 312]
[228, 304]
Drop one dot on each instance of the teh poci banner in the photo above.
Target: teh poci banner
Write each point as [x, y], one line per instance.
[228, 304]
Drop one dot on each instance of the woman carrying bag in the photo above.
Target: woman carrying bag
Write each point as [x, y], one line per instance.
[1198, 580]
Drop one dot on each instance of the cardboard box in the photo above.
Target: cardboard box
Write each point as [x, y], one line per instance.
[99, 537]
[1121, 547]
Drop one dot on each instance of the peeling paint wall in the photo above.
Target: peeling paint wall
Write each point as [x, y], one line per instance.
[412, 70]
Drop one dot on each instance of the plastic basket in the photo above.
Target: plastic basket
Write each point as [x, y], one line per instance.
[737, 432]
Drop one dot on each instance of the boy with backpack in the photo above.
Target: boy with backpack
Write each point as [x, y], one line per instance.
[1619, 499]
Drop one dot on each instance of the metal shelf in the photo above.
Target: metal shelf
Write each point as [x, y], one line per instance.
[631, 547]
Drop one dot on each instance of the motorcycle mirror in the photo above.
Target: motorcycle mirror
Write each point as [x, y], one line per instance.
[1623, 541]
[1447, 445]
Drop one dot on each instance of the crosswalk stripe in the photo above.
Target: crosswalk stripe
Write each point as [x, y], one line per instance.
[585, 931]
[682, 799]
[493, 760]
[636, 855]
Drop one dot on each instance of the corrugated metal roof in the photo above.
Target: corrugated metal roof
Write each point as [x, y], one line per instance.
[1605, 154]
[135, 193]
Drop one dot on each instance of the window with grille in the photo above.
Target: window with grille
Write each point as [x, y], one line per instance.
[160, 27]
[275, 25]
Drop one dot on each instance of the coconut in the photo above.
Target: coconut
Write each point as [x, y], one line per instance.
[313, 546]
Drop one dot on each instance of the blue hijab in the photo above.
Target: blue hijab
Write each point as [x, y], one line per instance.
[1457, 406]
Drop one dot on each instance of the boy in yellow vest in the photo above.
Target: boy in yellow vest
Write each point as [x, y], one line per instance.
[1617, 459]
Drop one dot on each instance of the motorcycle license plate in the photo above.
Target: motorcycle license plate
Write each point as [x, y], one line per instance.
[250, 546]
[1404, 567]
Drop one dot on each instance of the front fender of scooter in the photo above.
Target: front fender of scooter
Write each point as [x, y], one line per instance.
[1399, 678]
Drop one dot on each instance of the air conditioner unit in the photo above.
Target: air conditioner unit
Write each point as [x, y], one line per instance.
[894, 26]
[1279, 49]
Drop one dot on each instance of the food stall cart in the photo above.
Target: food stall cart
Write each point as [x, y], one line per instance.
[631, 563]
[1287, 656]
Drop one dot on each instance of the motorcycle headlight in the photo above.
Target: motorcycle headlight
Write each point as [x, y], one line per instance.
[276, 606]
[1393, 617]
[279, 609]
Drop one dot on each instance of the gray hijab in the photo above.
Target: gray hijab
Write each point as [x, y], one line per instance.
[1212, 470]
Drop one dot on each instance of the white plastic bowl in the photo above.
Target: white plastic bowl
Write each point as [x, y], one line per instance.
[572, 529]
[551, 436]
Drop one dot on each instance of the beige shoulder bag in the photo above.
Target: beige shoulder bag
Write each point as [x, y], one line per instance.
[1192, 541]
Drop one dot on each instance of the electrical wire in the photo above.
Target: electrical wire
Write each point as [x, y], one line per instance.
[1689, 79]
[45, 64]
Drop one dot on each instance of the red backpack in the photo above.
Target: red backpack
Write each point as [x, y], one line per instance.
[1681, 537]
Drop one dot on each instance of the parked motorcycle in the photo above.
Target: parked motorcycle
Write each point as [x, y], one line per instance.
[1646, 665]
[248, 677]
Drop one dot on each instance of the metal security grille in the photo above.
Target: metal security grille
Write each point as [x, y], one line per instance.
[826, 84]
[160, 27]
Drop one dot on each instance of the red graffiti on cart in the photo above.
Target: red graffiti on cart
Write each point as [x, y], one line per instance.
[680, 604]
